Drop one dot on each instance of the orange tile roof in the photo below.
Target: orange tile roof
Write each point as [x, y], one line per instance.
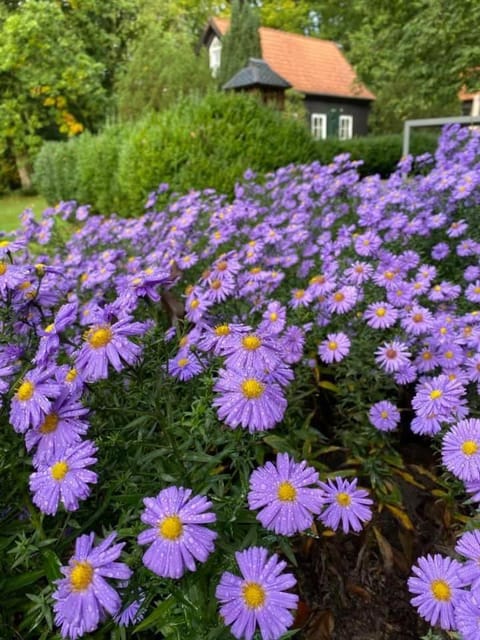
[310, 65]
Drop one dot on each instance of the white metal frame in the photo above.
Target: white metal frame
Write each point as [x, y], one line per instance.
[408, 125]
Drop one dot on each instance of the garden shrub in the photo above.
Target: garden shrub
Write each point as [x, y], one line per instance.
[199, 143]
[379, 154]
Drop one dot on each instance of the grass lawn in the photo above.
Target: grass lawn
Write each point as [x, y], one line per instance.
[11, 207]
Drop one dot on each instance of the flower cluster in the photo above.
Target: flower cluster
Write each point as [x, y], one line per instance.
[309, 272]
[446, 590]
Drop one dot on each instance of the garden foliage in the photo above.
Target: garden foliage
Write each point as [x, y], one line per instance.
[187, 392]
[198, 144]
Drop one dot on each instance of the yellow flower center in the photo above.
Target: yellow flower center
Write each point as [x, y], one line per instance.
[25, 391]
[182, 362]
[426, 355]
[216, 284]
[380, 312]
[469, 447]
[253, 595]
[251, 342]
[40, 268]
[3, 268]
[81, 576]
[59, 470]
[71, 375]
[440, 590]
[384, 414]
[252, 389]
[194, 304]
[50, 328]
[338, 297]
[171, 528]
[100, 337]
[332, 345]
[286, 492]
[449, 355]
[222, 266]
[317, 280]
[222, 330]
[50, 423]
[389, 275]
[4, 243]
[273, 316]
[343, 499]
[435, 394]
[299, 294]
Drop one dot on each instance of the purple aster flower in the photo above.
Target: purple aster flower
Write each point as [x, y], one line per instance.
[461, 449]
[50, 340]
[131, 614]
[343, 300]
[283, 494]
[11, 276]
[471, 273]
[426, 425]
[418, 320]
[61, 427]
[437, 587]
[248, 399]
[345, 504]
[291, 344]
[334, 348]
[468, 545]
[274, 319]
[440, 251]
[185, 365]
[257, 599]
[176, 535]
[467, 616]
[384, 415]
[253, 351]
[392, 356]
[32, 401]
[107, 343]
[472, 292]
[83, 597]
[439, 395]
[358, 273]
[457, 229]
[380, 315]
[64, 478]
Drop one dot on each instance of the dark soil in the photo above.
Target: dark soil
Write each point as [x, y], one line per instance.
[354, 587]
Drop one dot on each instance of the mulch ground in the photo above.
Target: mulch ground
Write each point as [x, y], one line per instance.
[354, 587]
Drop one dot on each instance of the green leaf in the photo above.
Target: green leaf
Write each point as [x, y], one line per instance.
[157, 617]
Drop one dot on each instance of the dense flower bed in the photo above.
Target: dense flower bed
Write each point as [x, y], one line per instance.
[165, 380]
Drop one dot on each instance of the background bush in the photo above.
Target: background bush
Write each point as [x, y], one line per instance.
[198, 144]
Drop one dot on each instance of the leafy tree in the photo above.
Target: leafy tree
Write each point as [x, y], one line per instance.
[163, 67]
[296, 16]
[241, 42]
[48, 82]
[414, 55]
[57, 60]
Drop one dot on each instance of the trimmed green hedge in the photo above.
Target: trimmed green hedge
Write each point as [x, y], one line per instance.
[380, 154]
[200, 143]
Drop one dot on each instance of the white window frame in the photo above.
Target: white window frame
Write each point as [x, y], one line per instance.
[318, 125]
[215, 55]
[345, 127]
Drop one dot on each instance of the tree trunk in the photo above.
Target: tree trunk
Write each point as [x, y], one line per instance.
[24, 169]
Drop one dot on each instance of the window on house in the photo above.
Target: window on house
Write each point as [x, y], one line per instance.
[345, 127]
[214, 54]
[319, 126]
